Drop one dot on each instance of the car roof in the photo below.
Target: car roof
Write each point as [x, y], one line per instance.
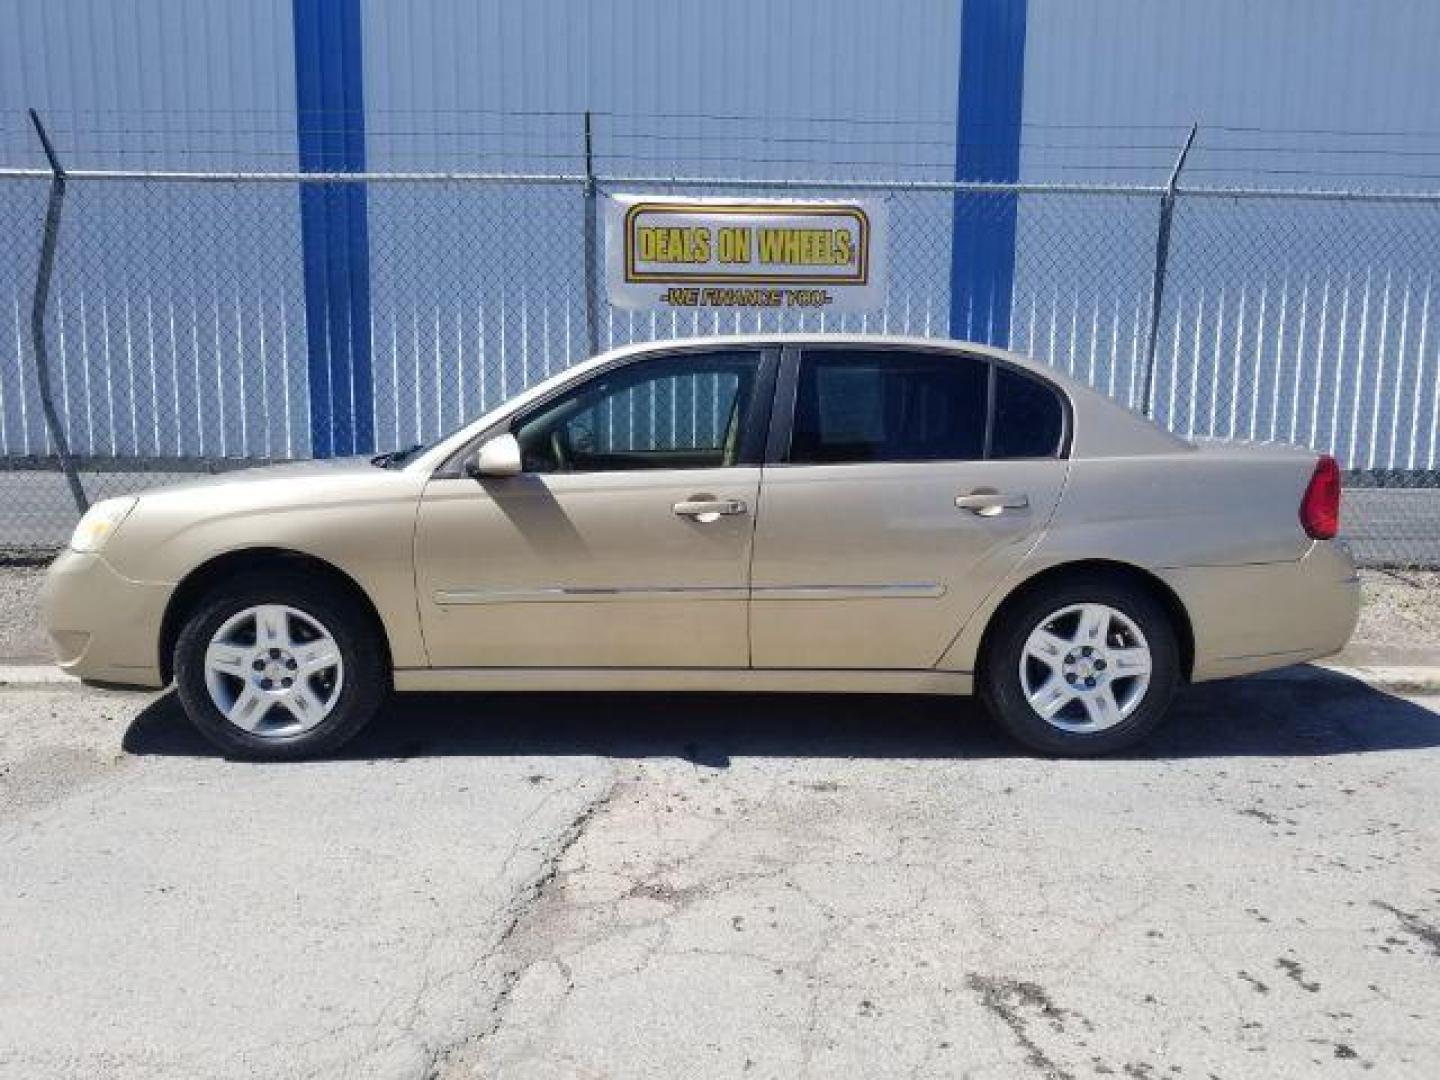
[936, 344]
[833, 339]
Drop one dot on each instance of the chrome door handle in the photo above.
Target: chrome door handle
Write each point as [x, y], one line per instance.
[992, 503]
[708, 510]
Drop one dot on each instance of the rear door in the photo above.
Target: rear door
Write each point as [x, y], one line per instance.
[900, 487]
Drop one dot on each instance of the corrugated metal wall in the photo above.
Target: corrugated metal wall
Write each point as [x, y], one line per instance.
[210, 83]
[752, 88]
[1292, 321]
[178, 320]
[690, 87]
[150, 84]
[1313, 93]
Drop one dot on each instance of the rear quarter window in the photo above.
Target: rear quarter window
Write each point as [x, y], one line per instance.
[1029, 419]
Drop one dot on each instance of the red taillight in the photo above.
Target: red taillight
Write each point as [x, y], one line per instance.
[1320, 508]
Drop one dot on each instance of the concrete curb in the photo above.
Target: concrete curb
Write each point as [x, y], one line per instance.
[19, 676]
[1398, 678]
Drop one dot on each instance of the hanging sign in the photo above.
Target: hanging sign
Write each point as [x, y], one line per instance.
[676, 254]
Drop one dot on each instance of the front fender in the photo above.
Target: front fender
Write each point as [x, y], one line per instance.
[362, 526]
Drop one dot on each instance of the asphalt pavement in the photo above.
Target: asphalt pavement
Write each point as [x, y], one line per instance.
[750, 886]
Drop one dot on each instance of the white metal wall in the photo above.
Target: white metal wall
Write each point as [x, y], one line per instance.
[687, 86]
[162, 295]
[1299, 322]
[751, 88]
[149, 83]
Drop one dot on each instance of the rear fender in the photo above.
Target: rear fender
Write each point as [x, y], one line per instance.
[1231, 506]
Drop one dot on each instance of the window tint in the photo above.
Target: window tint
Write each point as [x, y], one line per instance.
[682, 412]
[1029, 418]
[886, 405]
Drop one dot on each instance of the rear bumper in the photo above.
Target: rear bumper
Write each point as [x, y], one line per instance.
[1269, 615]
[103, 626]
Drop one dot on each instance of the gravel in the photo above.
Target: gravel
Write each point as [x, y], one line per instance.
[21, 637]
[1400, 618]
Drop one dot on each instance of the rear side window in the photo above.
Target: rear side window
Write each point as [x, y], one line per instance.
[1029, 419]
[878, 405]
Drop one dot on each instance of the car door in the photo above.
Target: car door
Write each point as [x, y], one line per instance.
[626, 539]
[899, 489]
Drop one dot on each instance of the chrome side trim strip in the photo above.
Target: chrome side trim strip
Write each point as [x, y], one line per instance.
[903, 591]
[559, 593]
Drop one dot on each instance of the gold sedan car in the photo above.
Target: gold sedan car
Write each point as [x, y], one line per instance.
[789, 513]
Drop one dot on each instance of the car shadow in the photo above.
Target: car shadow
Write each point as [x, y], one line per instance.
[1305, 712]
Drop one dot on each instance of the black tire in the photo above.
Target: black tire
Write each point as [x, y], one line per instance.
[1000, 678]
[362, 690]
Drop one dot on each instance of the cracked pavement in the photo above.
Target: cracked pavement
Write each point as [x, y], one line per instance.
[690, 885]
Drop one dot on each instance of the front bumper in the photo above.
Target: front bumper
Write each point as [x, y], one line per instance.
[1269, 615]
[103, 626]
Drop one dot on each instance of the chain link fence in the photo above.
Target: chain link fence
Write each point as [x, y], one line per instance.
[178, 339]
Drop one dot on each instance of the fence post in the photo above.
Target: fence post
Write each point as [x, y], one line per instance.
[37, 316]
[1157, 278]
[592, 271]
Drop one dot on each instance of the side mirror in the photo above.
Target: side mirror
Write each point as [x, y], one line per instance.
[498, 457]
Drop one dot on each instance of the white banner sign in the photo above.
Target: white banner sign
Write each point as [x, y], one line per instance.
[674, 254]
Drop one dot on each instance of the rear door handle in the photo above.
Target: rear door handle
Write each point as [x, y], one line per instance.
[704, 509]
[992, 503]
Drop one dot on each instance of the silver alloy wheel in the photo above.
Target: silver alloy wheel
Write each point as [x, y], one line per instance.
[273, 671]
[1085, 668]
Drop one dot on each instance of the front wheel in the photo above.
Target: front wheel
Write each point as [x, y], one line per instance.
[278, 667]
[1081, 669]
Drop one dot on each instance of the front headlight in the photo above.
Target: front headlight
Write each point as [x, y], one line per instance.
[100, 522]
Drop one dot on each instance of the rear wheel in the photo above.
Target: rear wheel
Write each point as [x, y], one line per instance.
[1083, 668]
[276, 666]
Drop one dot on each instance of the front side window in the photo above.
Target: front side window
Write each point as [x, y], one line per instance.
[883, 405]
[680, 412]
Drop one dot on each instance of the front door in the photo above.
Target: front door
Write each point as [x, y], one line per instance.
[908, 489]
[625, 541]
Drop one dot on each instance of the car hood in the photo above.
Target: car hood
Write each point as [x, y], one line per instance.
[345, 511]
[321, 469]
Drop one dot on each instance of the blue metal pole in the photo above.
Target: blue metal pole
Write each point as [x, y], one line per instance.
[330, 108]
[987, 148]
